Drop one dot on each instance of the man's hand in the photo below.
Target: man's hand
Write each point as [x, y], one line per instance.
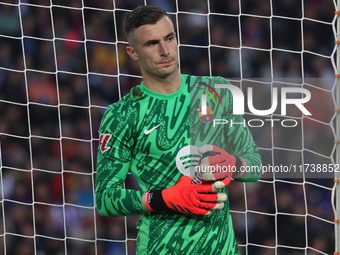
[218, 165]
[185, 197]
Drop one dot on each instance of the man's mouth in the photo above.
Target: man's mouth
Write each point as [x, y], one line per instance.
[166, 61]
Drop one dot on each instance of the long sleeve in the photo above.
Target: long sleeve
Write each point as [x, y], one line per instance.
[111, 198]
[241, 143]
[113, 163]
[238, 139]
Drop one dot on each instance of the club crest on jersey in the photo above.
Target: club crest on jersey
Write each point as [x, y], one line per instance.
[206, 118]
[103, 141]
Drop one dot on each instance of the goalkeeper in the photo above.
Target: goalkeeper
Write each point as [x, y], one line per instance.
[146, 134]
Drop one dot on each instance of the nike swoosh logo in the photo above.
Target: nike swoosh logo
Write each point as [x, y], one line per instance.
[152, 129]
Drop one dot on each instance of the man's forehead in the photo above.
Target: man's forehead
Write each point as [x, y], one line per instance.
[154, 31]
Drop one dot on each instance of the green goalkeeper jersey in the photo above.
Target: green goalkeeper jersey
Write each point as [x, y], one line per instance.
[155, 137]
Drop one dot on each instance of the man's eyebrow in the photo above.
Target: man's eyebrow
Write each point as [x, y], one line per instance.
[170, 34]
[155, 41]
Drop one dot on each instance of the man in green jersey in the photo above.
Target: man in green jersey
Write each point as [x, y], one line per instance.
[161, 134]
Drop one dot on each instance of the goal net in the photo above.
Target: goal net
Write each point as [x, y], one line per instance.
[63, 62]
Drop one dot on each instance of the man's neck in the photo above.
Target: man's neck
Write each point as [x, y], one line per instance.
[166, 85]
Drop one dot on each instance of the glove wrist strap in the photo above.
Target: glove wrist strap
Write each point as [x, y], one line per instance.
[239, 164]
[155, 201]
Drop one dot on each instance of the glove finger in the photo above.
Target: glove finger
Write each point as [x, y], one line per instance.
[226, 181]
[217, 186]
[219, 150]
[218, 159]
[211, 211]
[207, 197]
[204, 188]
[210, 160]
[222, 160]
[195, 199]
[210, 205]
[209, 177]
[205, 148]
[200, 211]
[220, 197]
[204, 161]
[220, 156]
[219, 206]
[216, 176]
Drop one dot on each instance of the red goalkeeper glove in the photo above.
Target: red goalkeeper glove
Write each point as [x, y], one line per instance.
[218, 165]
[186, 197]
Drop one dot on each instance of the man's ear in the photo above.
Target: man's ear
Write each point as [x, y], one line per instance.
[132, 52]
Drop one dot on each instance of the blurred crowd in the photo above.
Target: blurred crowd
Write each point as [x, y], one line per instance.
[62, 65]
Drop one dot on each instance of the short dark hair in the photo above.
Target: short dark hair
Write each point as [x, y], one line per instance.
[142, 15]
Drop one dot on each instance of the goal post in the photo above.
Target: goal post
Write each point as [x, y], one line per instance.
[336, 188]
[63, 62]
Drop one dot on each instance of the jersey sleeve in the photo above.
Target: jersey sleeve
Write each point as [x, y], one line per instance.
[239, 140]
[113, 164]
[241, 143]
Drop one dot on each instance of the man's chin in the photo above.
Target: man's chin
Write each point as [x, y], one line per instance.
[165, 72]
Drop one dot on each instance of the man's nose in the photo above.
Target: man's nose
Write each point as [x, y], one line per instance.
[164, 49]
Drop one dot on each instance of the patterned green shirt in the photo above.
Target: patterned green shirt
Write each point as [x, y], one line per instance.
[155, 137]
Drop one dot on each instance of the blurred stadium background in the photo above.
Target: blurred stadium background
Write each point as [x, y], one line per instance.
[53, 93]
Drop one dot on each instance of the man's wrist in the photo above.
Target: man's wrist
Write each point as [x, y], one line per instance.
[144, 202]
[153, 201]
[239, 167]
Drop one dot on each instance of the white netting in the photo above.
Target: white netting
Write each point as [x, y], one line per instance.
[63, 62]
